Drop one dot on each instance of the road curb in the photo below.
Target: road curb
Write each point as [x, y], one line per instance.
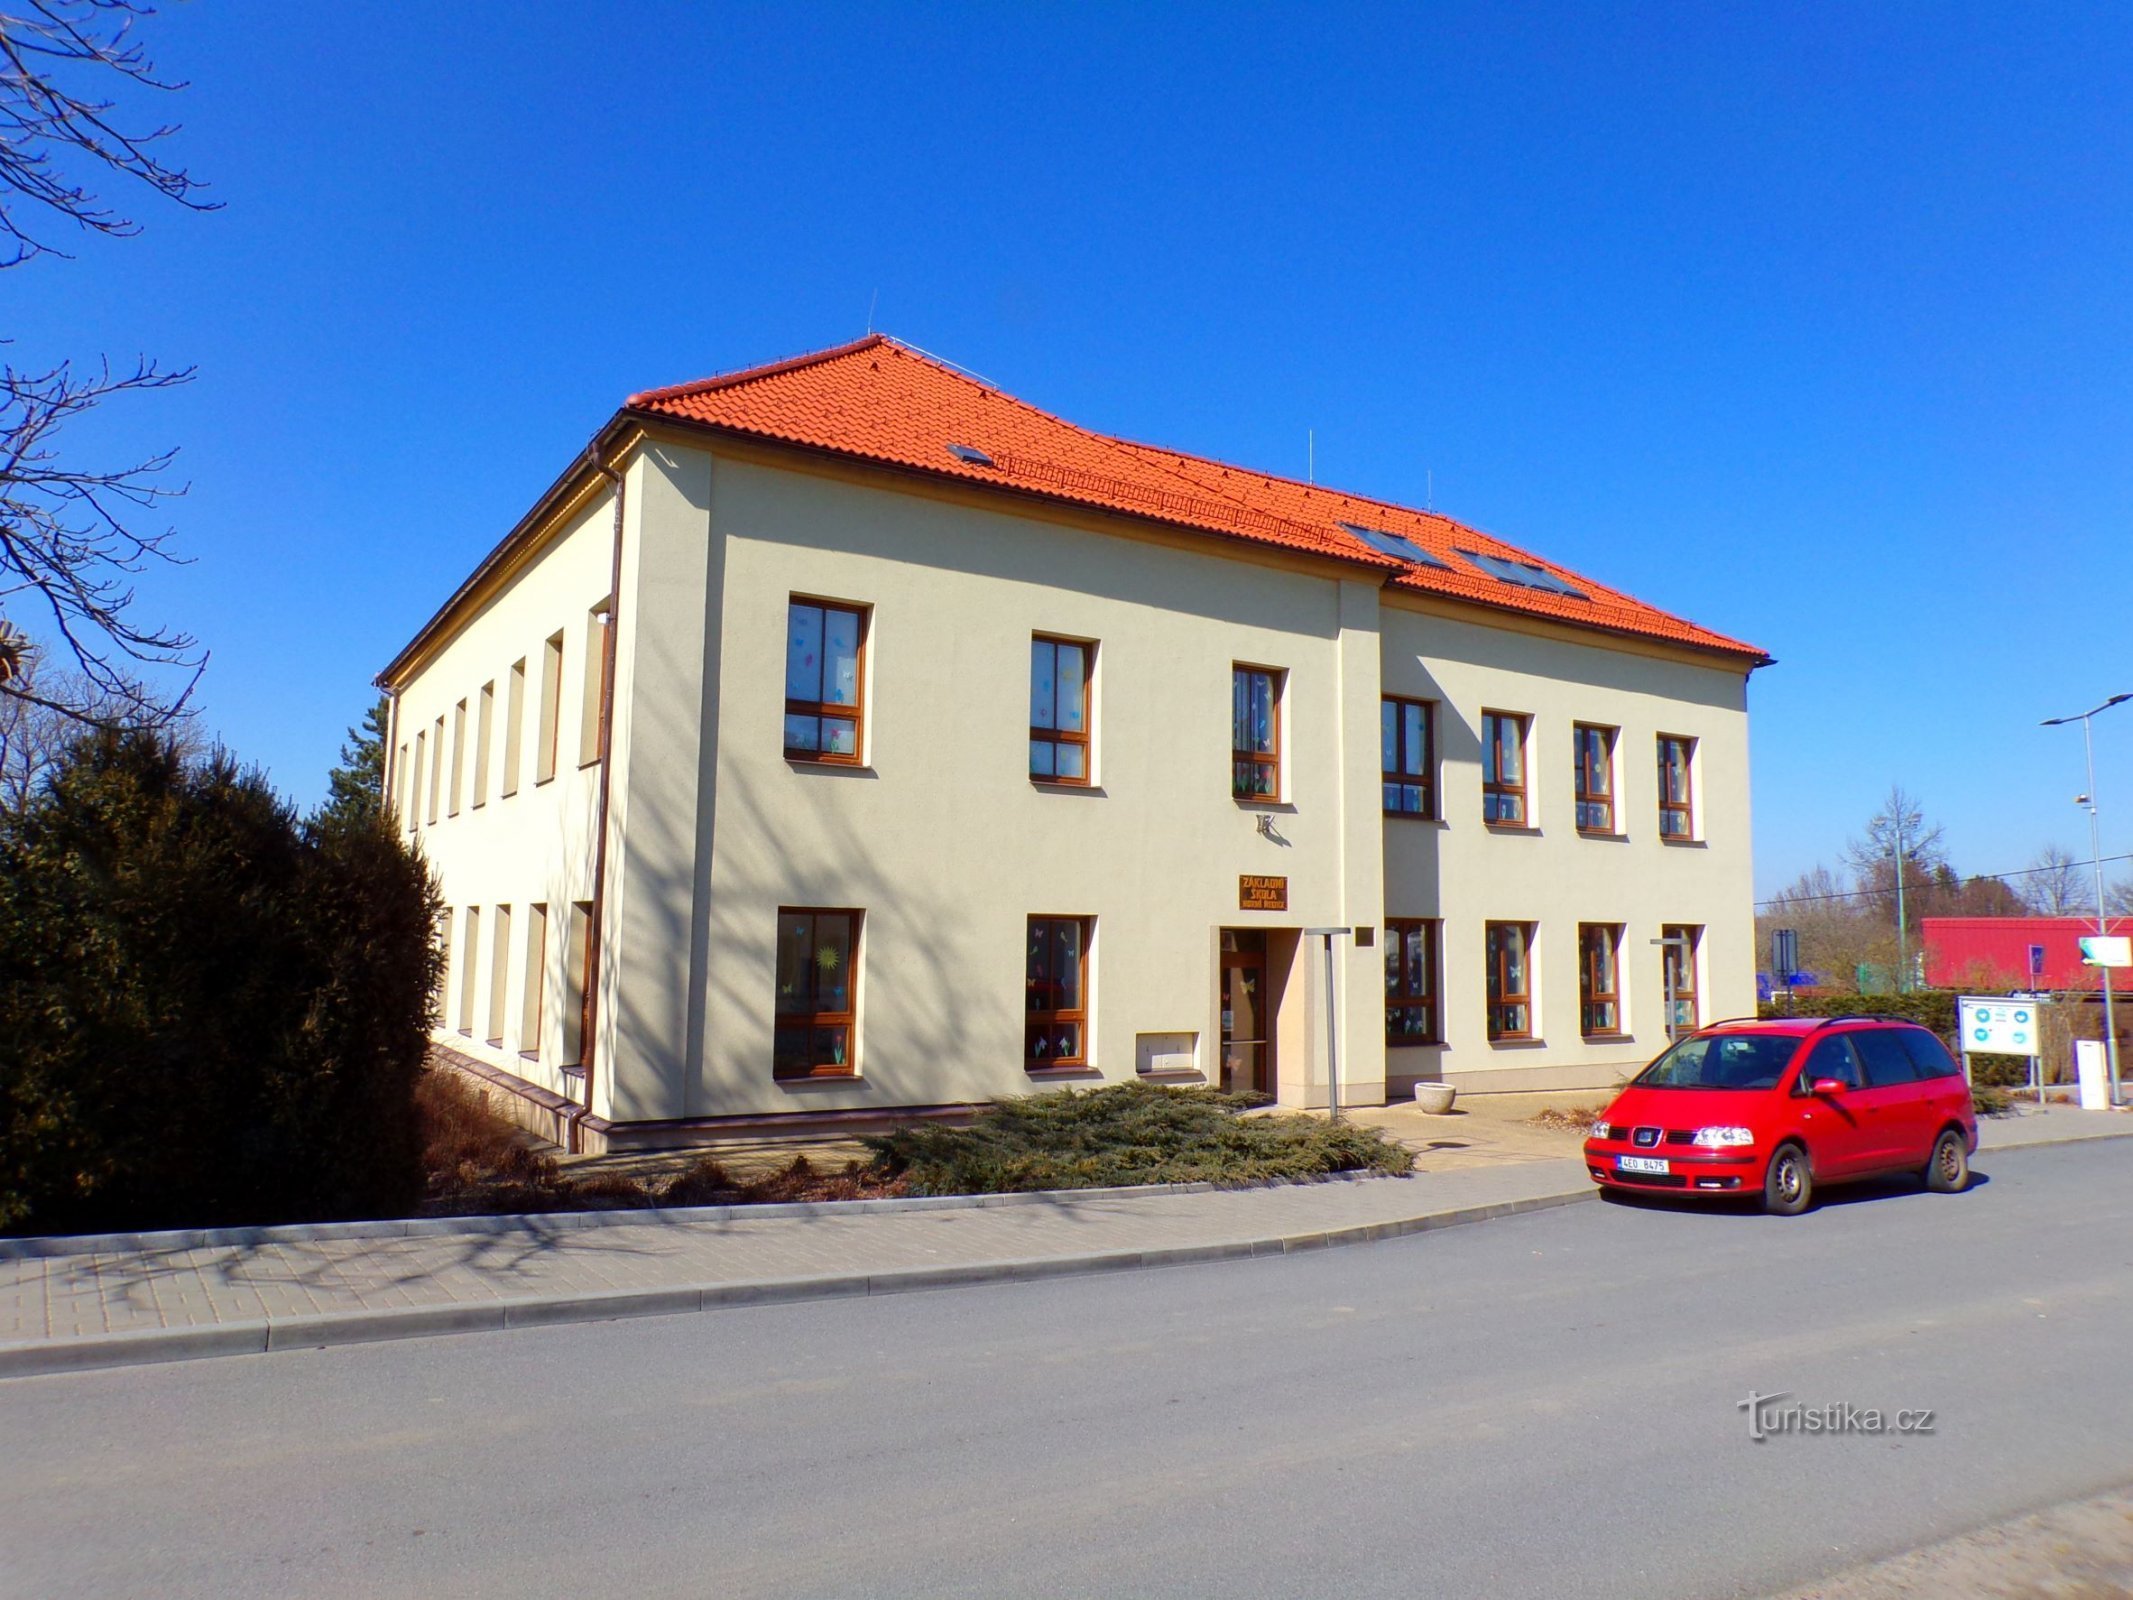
[29, 1358]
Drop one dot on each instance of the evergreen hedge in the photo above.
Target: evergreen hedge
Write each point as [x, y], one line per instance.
[211, 1011]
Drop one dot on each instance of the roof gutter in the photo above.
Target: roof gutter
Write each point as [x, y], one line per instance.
[589, 1014]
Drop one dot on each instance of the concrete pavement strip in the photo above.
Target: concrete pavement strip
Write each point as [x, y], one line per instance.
[288, 1332]
[138, 1346]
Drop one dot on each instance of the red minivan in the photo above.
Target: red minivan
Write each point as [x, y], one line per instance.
[1785, 1104]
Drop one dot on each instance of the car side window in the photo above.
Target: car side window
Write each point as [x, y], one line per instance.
[1887, 1062]
[1928, 1054]
[1831, 1058]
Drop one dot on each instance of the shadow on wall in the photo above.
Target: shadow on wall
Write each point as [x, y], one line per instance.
[938, 998]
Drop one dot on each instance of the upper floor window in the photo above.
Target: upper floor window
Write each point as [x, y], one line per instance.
[1059, 710]
[484, 721]
[544, 753]
[1677, 948]
[812, 1027]
[1503, 768]
[514, 721]
[1595, 751]
[1056, 994]
[1255, 733]
[1599, 979]
[592, 699]
[1677, 798]
[1407, 751]
[1410, 982]
[825, 654]
[1509, 952]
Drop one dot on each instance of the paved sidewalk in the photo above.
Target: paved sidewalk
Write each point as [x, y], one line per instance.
[147, 1300]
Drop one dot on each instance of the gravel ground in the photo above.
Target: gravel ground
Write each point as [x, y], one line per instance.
[2082, 1551]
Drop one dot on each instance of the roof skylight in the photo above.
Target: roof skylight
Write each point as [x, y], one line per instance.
[1523, 573]
[972, 454]
[1391, 544]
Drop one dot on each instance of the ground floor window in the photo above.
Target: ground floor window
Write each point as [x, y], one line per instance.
[1678, 948]
[818, 953]
[1599, 981]
[1056, 994]
[1508, 949]
[1410, 982]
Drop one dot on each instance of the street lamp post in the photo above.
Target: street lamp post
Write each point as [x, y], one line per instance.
[2103, 926]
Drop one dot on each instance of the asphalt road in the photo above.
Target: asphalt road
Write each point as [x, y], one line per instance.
[1545, 1405]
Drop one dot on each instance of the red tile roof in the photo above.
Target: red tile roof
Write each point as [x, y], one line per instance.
[884, 401]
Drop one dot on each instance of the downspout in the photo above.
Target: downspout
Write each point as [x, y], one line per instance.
[589, 1012]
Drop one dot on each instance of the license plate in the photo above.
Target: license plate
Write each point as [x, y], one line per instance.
[1654, 1164]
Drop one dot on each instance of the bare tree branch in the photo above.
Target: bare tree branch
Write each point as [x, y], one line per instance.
[54, 120]
[70, 543]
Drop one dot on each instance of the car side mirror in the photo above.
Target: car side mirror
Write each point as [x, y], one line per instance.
[1830, 1086]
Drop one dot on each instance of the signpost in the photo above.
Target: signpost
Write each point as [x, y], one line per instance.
[1995, 1026]
[1785, 959]
[2099, 950]
[1333, 1038]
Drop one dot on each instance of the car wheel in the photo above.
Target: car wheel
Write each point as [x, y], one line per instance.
[1788, 1184]
[1949, 1170]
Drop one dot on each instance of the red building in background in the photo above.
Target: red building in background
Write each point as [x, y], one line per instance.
[1994, 953]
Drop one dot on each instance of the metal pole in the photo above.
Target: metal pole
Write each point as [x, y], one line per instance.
[1333, 1048]
[2103, 926]
[1903, 937]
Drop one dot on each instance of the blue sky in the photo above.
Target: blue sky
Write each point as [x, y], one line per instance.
[1808, 322]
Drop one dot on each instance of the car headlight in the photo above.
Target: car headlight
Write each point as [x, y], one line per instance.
[1599, 1130]
[1723, 1136]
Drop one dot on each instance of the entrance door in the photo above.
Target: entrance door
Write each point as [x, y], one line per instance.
[1247, 1029]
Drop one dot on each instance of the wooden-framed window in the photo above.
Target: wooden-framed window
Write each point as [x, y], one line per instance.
[1410, 982]
[1255, 733]
[1508, 951]
[1677, 796]
[514, 723]
[533, 999]
[402, 794]
[459, 757]
[1677, 952]
[1593, 748]
[825, 681]
[436, 770]
[1055, 1031]
[1503, 769]
[499, 974]
[469, 964]
[1407, 747]
[817, 973]
[544, 754]
[592, 704]
[1059, 723]
[577, 978]
[484, 726]
[1599, 979]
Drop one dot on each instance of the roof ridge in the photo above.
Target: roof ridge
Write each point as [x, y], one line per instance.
[768, 369]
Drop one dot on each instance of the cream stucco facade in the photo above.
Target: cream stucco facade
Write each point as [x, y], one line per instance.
[938, 837]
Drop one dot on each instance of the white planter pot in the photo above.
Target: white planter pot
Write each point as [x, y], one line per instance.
[1435, 1098]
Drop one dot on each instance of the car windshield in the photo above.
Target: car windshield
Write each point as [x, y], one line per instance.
[1721, 1061]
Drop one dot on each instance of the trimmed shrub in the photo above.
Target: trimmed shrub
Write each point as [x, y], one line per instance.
[213, 1012]
[1129, 1134]
[1932, 1008]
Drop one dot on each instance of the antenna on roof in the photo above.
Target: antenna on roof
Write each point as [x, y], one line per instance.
[871, 304]
[1310, 455]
